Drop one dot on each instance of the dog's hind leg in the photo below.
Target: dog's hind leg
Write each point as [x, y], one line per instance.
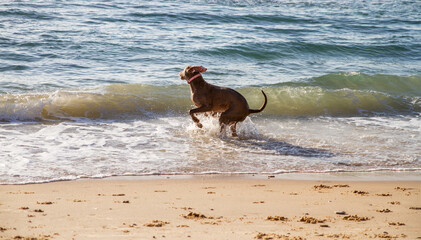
[234, 129]
[228, 119]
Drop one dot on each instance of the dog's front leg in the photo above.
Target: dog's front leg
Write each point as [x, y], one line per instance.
[199, 110]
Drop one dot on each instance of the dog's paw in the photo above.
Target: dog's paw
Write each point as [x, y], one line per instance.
[199, 125]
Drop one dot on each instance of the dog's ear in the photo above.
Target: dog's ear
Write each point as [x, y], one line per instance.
[200, 69]
[192, 70]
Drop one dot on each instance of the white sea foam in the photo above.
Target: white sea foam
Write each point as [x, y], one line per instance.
[36, 152]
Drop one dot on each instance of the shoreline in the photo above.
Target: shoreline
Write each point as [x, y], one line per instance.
[330, 176]
[382, 176]
[211, 207]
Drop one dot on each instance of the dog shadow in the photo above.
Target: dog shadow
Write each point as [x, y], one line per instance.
[249, 139]
[267, 145]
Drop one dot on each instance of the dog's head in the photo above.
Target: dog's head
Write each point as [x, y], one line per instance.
[191, 71]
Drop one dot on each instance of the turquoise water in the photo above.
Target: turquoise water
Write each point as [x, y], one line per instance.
[91, 88]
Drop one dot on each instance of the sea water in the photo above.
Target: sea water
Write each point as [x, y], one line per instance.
[91, 88]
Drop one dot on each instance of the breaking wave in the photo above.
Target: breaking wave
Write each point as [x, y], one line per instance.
[339, 94]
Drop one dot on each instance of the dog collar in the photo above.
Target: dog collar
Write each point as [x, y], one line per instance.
[201, 69]
[194, 77]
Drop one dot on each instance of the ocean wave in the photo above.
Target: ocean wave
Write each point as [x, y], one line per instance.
[26, 14]
[13, 67]
[340, 94]
[278, 49]
[381, 83]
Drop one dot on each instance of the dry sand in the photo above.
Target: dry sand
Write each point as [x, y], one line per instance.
[211, 208]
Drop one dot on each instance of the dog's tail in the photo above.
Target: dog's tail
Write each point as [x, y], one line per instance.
[263, 106]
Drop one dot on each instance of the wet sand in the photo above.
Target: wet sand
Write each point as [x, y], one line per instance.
[209, 207]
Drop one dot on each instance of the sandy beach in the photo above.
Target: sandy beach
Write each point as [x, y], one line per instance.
[209, 207]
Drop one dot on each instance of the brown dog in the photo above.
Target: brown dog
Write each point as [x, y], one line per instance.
[210, 98]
